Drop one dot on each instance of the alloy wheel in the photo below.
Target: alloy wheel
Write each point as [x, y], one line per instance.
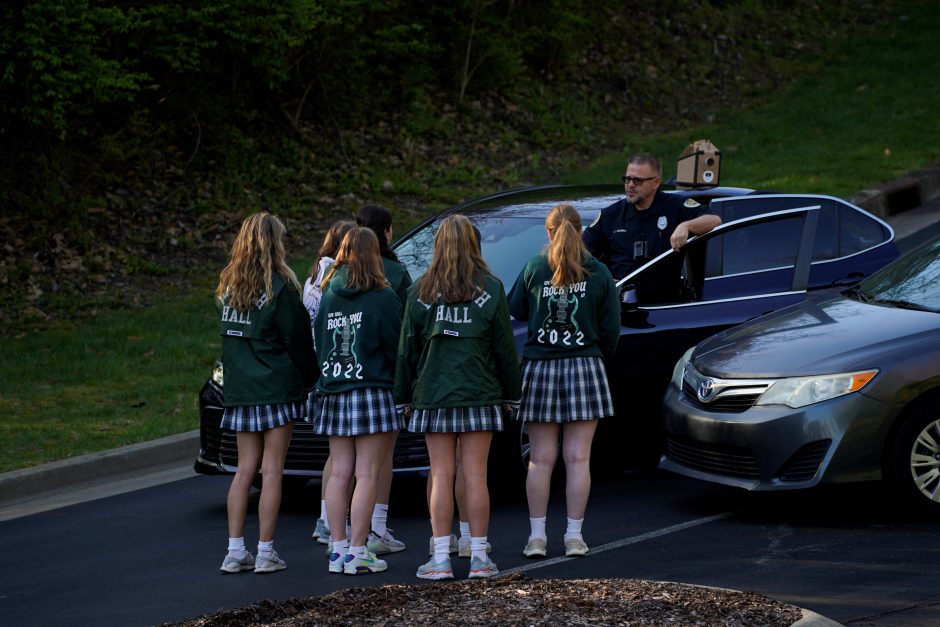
[925, 461]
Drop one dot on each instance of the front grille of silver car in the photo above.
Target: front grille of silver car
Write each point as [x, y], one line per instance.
[728, 395]
[804, 464]
[731, 403]
[720, 459]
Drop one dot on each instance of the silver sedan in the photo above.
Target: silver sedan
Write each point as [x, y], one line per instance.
[842, 390]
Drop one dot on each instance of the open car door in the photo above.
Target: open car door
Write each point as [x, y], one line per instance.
[680, 301]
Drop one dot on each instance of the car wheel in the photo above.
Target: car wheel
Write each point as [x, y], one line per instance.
[915, 458]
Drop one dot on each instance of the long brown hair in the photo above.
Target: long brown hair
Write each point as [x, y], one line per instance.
[257, 255]
[457, 267]
[566, 251]
[359, 254]
[331, 241]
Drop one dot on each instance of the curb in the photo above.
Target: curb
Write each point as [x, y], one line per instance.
[894, 197]
[29, 482]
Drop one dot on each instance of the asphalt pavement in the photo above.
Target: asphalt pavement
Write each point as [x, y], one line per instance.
[911, 205]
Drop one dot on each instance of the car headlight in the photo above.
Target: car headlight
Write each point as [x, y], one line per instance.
[802, 391]
[218, 373]
[679, 371]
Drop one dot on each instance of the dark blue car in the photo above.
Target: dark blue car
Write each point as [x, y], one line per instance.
[771, 251]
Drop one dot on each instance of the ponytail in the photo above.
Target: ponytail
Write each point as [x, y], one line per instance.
[566, 251]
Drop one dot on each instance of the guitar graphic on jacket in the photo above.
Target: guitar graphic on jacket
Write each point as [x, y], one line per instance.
[560, 326]
[342, 361]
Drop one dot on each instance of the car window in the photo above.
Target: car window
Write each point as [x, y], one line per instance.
[913, 279]
[755, 248]
[747, 260]
[858, 231]
[826, 244]
[507, 245]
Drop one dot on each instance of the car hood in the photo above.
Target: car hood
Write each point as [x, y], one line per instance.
[839, 335]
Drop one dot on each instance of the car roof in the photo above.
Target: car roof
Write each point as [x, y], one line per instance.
[589, 200]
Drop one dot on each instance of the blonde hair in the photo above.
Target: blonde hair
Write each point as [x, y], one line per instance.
[566, 252]
[457, 268]
[257, 255]
[331, 241]
[359, 254]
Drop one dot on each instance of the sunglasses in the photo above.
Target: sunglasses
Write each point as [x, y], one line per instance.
[636, 180]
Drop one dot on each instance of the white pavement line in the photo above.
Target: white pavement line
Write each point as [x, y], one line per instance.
[652, 535]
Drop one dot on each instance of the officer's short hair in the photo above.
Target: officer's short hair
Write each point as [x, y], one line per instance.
[647, 158]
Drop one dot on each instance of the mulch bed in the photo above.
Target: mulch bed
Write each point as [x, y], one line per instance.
[516, 600]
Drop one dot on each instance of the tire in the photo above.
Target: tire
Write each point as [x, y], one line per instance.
[913, 463]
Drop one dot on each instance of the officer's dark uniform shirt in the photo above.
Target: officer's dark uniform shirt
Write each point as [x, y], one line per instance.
[624, 238]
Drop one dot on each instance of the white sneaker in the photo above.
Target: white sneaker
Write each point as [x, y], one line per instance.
[482, 569]
[353, 565]
[322, 532]
[575, 547]
[435, 570]
[386, 544]
[535, 547]
[336, 563]
[235, 565]
[269, 564]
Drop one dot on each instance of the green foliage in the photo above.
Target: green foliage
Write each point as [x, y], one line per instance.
[61, 60]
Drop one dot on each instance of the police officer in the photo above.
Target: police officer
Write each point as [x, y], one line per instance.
[647, 222]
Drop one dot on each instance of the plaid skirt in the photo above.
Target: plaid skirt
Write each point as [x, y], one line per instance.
[254, 418]
[456, 419]
[564, 390]
[362, 411]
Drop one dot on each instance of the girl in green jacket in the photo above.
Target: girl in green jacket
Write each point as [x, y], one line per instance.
[269, 361]
[570, 301]
[456, 374]
[357, 330]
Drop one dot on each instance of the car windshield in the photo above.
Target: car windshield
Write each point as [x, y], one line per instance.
[507, 242]
[911, 282]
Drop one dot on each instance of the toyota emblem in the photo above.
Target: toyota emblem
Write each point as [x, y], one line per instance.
[706, 390]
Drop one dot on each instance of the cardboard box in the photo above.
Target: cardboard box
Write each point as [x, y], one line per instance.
[699, 165]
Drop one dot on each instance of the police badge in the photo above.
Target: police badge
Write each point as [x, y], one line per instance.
[661, 223]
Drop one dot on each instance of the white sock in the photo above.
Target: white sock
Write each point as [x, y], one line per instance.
[380, 519]
[478, 547]
[236, 547]
[464, 529]
[441, 549]
[323, 513]
[574, 529]
[340, 546]
[538, 528]
[358, 551]
[265, 549]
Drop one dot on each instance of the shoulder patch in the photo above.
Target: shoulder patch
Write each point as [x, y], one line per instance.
[690, 203]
